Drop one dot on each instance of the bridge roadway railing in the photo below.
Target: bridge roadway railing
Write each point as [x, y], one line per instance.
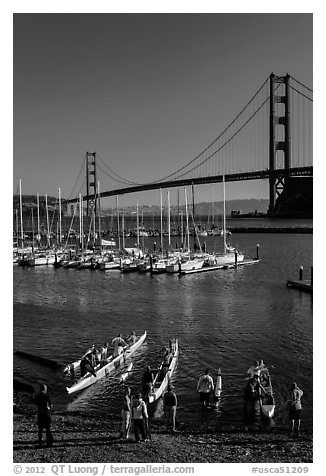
[258, 175]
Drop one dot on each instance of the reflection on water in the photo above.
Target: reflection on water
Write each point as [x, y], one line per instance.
[226, 318]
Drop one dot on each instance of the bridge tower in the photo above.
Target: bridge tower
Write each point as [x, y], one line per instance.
[91, 182]
[279, 137]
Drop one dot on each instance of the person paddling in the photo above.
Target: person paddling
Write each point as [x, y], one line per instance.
[118, 344]
[86, 366]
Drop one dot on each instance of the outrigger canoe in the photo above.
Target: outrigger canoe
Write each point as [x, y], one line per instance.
[75, 366]
[160, 384]
[106, 368]
[267, 402]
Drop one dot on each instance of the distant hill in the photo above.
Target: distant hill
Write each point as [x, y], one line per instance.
[202, 208]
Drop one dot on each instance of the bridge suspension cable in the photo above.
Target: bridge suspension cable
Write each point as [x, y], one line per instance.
[119, 179]
[213, 142]
[78, 177]
[301, 84]
[301, 93]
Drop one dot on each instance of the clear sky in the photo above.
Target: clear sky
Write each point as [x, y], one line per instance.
[147, 92]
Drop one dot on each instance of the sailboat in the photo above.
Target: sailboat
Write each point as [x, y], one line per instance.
[230, 254]
[185, 261]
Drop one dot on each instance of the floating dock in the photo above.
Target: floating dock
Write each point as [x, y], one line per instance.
[304, 285]
[223, 266]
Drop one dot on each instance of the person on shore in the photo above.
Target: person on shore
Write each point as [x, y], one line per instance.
[147, 382]
[205, 386]
[170, 403]
[118, 345]
[139, 417]
[252, 395]
[44, 405]
[126, 414]
[87, 366]
[294, 403]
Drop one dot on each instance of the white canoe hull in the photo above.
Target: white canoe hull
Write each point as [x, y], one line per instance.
[125, 374]
[103, 370]
[160, 387]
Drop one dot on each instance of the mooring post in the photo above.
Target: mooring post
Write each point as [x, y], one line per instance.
[151, 263]
[235, 259]
[257, 252]
[179, 267]
[154, 246]
[301, 273]
[311, 276]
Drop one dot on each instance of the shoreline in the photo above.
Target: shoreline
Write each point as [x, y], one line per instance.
[94, 438]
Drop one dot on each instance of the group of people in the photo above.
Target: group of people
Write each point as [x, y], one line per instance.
[134, 411]
[149, 377]
[134, 408]
[99, 356]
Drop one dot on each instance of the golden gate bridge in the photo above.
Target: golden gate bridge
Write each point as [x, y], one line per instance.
[271, 138]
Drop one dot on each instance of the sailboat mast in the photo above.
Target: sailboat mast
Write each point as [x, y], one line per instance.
[123, 228]
[161, 221]
[187, 221]
[32, 230]
[21, 212]
[17, 226]
[224, 225]
[142, 225]
[181, 219]
[47, 220]
[118, 223]
[59, 217]
[137, 225]
[99, 214]
[38, 218]
[193, 203]
[169, 219]
[81, 231]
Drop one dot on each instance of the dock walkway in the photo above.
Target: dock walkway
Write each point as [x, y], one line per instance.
[304, 285]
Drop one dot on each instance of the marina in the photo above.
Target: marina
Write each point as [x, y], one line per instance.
[222, 319]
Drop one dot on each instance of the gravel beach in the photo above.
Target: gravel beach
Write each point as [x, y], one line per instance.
[93, 438]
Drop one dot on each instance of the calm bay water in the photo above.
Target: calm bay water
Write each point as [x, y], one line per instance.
[224, 318]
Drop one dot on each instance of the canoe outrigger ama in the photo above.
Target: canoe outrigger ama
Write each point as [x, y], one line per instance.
[218, 388]
[109, 366]
[160, 384]
[267, 402]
